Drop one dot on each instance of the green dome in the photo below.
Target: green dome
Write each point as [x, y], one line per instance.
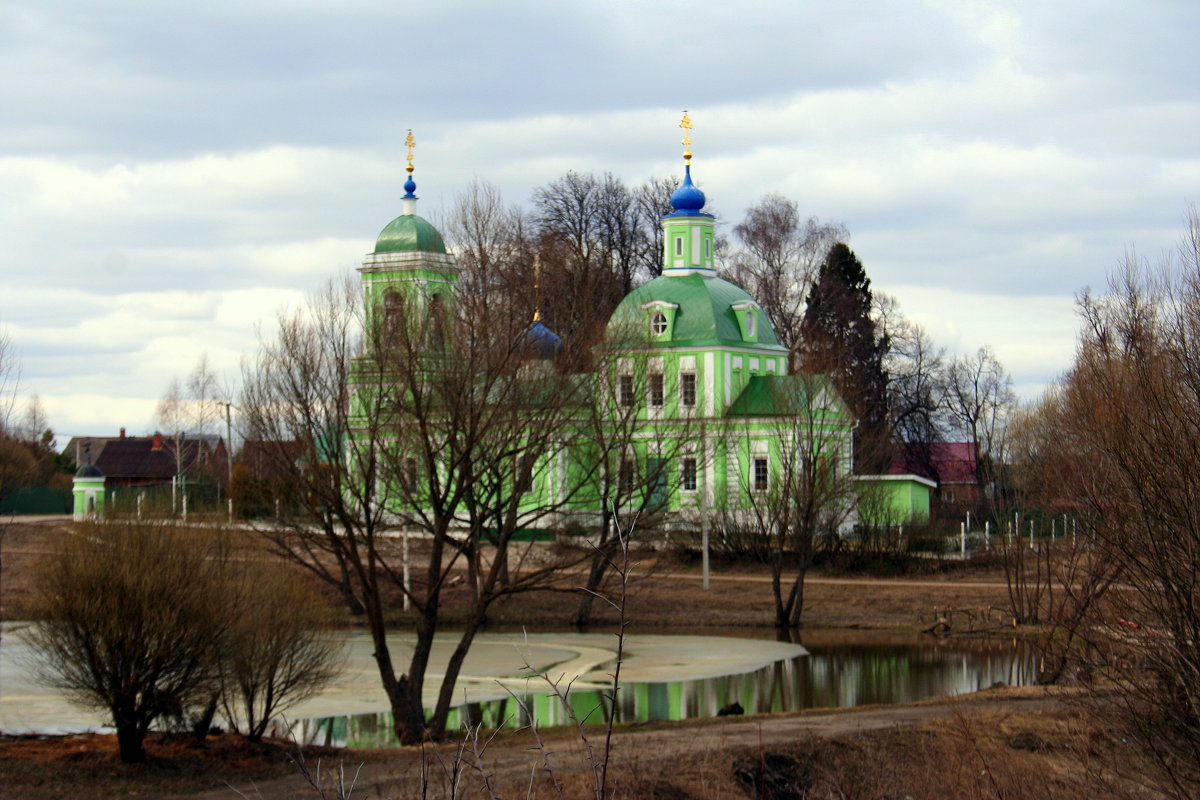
[705, 315]
[409, 233]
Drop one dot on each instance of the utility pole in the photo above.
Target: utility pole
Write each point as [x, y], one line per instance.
[229, 457]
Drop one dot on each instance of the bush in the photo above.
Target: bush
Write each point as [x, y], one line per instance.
[132, 616]
[151, 621]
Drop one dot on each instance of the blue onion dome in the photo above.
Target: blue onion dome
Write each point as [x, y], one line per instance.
[687, 199]
[543, 342]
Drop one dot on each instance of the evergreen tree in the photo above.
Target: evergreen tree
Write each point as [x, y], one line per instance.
[839, 338]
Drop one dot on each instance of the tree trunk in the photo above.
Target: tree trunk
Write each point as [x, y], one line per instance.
[596, 572]
[441, 711]
[130, 737]
[203, 723]
[797, 598]
[781, 612]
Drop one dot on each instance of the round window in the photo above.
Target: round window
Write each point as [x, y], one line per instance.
[658, 323]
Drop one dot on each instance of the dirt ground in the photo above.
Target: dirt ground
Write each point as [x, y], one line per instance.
[1019, 744]
[963, 748]
[664, 591]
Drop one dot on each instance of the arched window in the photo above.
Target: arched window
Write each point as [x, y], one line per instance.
[750, 321]
[393, 311]
[437, 321]
[658, 323]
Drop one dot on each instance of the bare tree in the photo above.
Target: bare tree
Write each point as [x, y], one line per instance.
[1131, 406]
[604, 225]
[916, 372]
[279, 649]
[979, 402]
[434, 423]
[636, 450]
[10, 380]
[795, 484]
[190, 412]
[652, 201]
[131, 619]
[778, 260]
[489, 238]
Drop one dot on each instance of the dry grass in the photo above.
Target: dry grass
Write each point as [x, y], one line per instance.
[53, 767]
[664, 592]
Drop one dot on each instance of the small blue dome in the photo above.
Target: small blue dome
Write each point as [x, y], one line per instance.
[410, 186]
[543, 342]
[687, 199]
[89, 471]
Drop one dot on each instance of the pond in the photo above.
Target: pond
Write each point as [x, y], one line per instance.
[663, 677]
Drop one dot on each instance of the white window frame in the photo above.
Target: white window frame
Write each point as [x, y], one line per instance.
[684, 402]
[760, 486]
[626, 391]
[656, 390]
[689, 468]
[658, 323]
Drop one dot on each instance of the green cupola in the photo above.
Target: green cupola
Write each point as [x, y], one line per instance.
[410, 265]
[409, 233]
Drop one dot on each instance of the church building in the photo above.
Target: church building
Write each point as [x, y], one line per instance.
[719, 427]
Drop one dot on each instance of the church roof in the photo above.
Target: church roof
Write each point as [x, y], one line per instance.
[409, 233]
[543, 342]
[705, 314]
[783, 395]
[89, 471]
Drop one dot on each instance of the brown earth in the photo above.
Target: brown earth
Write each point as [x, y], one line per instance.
[1019, 744]
[961, 748]
[665, 591]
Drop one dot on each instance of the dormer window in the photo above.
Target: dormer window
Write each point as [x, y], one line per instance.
[746, 313]
[660, 318]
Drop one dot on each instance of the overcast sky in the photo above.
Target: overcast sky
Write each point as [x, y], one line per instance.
[172, 174]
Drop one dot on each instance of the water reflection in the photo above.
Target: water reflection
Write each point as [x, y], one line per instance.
[838, 672]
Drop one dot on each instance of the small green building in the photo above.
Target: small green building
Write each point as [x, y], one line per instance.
[88, 493]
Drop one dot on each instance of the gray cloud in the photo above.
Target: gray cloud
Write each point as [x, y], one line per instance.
[172, 173]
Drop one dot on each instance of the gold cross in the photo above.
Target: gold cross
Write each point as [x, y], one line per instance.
[410, 143]
[686, 124]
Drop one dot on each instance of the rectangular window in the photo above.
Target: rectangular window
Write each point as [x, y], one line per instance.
[678, 245]
[524, 476]
[408, 477]
[707, 247]
[656, 479]
[625, 390]
[760, 474]
[687, 389]
[625, 478]
[687, 474]
[657, 393]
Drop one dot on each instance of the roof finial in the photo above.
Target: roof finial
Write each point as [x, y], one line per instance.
[410, 185]
[537, 287]
[686, 124]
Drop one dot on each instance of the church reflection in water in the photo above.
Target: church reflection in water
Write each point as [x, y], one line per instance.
[833, 675]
